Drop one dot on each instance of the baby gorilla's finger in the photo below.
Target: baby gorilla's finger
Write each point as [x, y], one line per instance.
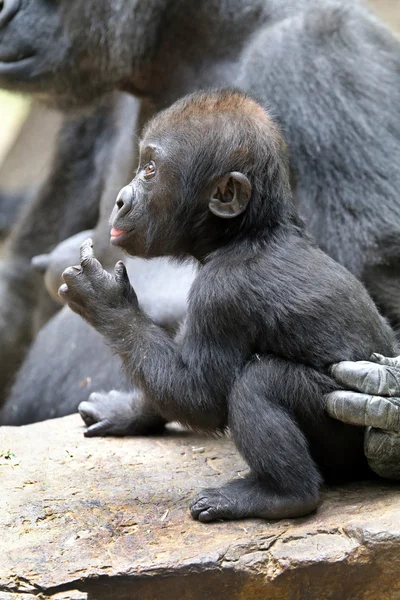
[89, 262]
[367, 377]
[122, 279]
[86, 251]
[69, 275]
[63, 292]
[364, 409]
[68, 297]
[76, 287]
[120, 273]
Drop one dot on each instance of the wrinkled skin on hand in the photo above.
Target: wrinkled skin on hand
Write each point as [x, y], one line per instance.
[92, 292]
[374, 402]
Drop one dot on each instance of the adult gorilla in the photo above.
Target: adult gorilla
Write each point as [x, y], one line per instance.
[330, 73]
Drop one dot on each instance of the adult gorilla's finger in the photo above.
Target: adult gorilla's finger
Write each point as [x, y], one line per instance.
[382, 449]
[385, 360]
[364, 409]
[368, 377]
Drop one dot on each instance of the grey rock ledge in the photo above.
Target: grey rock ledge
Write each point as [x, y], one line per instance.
[94, 519]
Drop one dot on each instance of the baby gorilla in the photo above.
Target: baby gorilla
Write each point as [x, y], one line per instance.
[268, 312]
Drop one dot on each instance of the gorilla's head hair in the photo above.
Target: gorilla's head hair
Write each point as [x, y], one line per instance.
[212, 167]
[69, 52]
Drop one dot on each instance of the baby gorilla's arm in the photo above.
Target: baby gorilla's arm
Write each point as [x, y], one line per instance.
[193, 383]
[181, 390]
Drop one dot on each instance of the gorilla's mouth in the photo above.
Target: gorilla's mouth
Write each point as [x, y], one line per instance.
[117, 236]
[117, 232]
[10, 65]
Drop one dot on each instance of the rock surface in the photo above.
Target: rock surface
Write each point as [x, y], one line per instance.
[107, 519]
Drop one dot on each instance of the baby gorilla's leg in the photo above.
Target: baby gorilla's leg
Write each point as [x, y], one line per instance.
[119, 413]
[284, 481]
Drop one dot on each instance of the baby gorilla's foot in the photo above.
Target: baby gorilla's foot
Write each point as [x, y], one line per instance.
[119, 413]
[245, 498]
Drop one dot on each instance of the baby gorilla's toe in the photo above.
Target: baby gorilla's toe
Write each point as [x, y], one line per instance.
[88, 412]
[212, 504]
[91, 412]
[119, 413]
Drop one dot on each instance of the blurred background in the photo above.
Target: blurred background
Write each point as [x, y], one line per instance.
[29, 142]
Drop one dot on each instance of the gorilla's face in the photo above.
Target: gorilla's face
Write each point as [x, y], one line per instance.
[63, 50]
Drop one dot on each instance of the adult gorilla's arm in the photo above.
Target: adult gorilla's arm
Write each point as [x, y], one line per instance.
[67, 203]
[374, 403]
[27, 163]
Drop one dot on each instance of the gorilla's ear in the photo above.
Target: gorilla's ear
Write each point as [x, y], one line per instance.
[231, 196]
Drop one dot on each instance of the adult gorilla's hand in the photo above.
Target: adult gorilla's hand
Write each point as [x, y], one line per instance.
[376, 399]
[375, 403]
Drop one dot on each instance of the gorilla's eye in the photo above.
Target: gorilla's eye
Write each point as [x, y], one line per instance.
[150, 170]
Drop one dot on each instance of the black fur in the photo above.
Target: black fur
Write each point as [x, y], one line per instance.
[329, 71]
[268, 312]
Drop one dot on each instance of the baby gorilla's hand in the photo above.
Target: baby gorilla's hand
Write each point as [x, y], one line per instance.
[91, 292]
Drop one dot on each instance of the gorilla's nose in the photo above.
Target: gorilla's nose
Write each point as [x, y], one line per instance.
[124, 201]
[8, 9]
